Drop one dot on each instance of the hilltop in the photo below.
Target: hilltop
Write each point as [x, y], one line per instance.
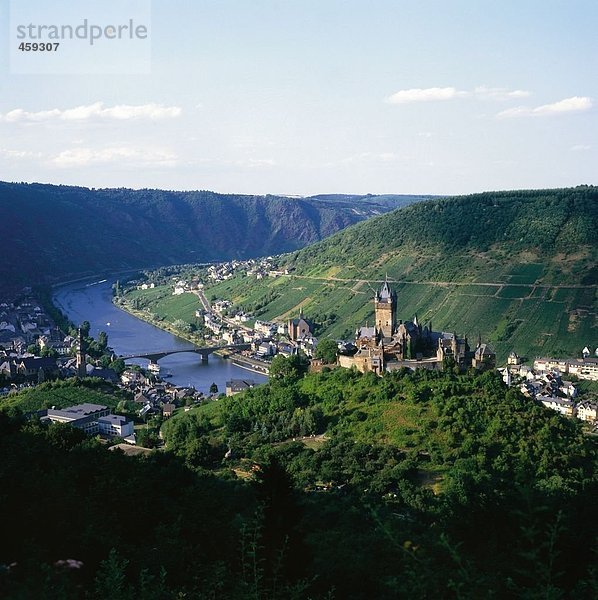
[517, 267]
[53, 232]
[476, 238]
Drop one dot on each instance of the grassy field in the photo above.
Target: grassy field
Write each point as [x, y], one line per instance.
[164, 305]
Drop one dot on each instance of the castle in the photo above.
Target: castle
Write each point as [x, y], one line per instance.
[391, 345]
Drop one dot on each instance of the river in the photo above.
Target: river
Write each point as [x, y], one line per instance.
[128, 335]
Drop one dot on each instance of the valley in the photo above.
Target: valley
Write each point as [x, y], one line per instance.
[535, 296]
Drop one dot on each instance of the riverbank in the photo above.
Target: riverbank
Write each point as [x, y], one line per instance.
[249, 364]
[130, 334]
[244, 362]
[143, 315]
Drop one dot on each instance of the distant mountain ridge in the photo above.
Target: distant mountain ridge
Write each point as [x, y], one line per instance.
[50, 232]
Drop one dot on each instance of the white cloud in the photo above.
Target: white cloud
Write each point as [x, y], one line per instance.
[568, 105]
[256, 163]
[499, 93]
[19, 154]
[97, 110]
[83, 157]
[425, 95]
[580, 148]
[450, 93]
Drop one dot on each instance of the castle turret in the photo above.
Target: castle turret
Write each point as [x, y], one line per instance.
[384, 306]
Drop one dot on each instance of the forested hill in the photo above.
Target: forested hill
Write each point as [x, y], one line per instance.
[49, 232]
[333, 486]
[518, 268]
[470, 238]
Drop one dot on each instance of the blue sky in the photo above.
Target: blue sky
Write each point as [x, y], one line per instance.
[303, 97]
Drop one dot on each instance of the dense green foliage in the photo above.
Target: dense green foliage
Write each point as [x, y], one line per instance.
[412, 485]
[87, 231]
[70, 498]
[463, 238]
[326, 351]
[437, 484]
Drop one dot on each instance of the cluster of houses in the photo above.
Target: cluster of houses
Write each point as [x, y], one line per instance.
[266, 338]
[545, 384]
[582, 368]
[154, 397]
[292, 337]
[23, 322]
[181, 286]
[18, 367]
[257, 268]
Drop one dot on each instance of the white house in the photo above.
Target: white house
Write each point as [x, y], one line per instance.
[587, 411]
[561, 405]
[115, 426]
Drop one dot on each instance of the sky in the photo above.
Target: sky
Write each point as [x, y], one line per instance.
[302, 97]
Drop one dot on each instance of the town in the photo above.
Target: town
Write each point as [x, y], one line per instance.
[34, 349]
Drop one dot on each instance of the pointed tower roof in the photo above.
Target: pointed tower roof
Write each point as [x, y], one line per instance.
[385, 291]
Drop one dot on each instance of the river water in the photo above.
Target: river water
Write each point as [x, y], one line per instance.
[129, 335]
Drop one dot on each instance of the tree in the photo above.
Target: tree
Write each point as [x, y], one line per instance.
[103, 340]
[49, 352]
[85, 328]
[110, 582]
[213, 389]
[118, 365]
[281, 545]
[147, 439]
[326, 351]
[288, 369]
[182, 325]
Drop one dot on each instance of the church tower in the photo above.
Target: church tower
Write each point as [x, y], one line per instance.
[81, 366]
[384, 306]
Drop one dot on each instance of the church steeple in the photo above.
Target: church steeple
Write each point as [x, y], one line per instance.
[81, 362]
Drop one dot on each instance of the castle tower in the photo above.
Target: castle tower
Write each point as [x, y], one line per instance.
[81, 366]
[384, 307]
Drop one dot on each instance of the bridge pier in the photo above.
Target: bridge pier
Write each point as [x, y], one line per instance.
[204, 358]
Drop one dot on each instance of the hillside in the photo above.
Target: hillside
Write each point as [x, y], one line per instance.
[520, 268]
[52, 232]
[337, 485]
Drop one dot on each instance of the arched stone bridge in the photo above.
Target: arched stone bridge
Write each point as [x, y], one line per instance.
[203, 351]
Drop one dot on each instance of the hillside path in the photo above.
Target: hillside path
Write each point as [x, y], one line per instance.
[444, 283]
